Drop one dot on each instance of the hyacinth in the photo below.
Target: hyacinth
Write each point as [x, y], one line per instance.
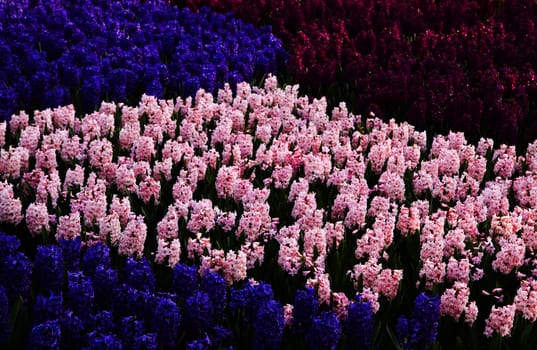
[46, 335]
[198, 313]
[166, 321]
[268, 326]
[120, 50]
[215, 286]
[18, 271]
[305, 307]
[94, 256]
[421, 329]
[48, 308]
[9, 244]
[80, 294]
[185, 280]
[250, 299]
[48, 269]
[360, 324]
[104, 281]
[71, 253]
[138, 274]
[103, 340]
[74, 329]
[325, 332]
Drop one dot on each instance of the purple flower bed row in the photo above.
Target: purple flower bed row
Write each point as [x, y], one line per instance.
[82, 52]
[440, 65]
[70, 296]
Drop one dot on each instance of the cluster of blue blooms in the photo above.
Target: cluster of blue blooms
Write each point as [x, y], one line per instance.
[85, 302]
[323, 330]
[76, 297]
[85, 51]
[421, 329]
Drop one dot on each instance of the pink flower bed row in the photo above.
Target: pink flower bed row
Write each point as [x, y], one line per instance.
[268, 180]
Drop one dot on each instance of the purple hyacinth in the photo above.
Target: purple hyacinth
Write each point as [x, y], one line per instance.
[133, 336]
[359, 324]
[200, 344]
[250, 298]
[95, 255]
[48, 307]
[324, 332]
[305, 307]
[138, 274]
[9, 244]
[185, 280]
[73, 330]
[268, 326]
[421, 329]
[102, 321]
[103, 341]
[4, 315]
[198, 313]
[46, 335]
[18, 271]
[105, 281]
[71, 253]
[216, 288]
[80, 294]
[166, 322]
[48, 269]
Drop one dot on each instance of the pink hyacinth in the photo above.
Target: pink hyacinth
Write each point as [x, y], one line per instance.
[143, 148]
[526, 299]
[387, 283]
[225, 181]
[454, 300]
[37, 218]
[511, 255]
[202, 216]
[29, 139]
[109, 228]
[69, 226]
[148, 189]
[196, 246]
[132, 239]
[500, 321]
[168, 227]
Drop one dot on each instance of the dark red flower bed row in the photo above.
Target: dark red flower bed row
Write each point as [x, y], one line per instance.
[461, 65]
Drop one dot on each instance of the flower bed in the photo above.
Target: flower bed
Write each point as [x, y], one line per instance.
[56, 53]
[439, 65]
[266, 184]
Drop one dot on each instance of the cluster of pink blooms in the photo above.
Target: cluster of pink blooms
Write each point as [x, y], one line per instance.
[222, 158]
